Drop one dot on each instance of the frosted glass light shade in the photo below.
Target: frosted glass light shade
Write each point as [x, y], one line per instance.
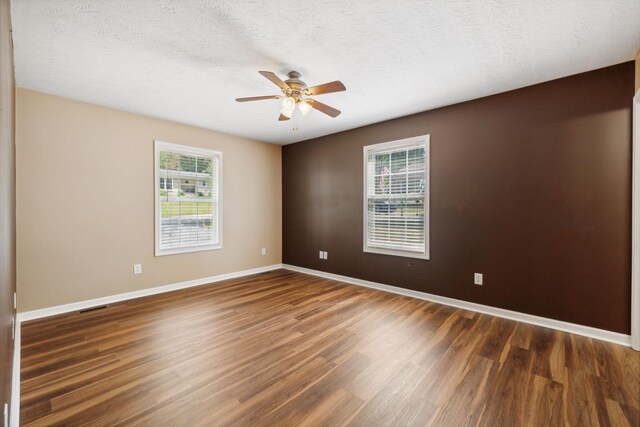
[288, 104]
[304, 108]
[286, 113]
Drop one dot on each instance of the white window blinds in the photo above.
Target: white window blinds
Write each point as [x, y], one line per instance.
[396, 198]
[188, 199]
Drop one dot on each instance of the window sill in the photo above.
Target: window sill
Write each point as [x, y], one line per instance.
[395, 252]
[184, 250]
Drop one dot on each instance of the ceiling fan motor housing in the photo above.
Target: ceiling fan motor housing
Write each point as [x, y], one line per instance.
[297, 86]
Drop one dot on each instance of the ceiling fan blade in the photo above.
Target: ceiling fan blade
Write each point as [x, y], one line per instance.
[258, 98]
[283, 118]
[275, 79]
[330, 87]
[329, 111]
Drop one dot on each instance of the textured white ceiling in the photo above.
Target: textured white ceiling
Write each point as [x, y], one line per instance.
[187, 60]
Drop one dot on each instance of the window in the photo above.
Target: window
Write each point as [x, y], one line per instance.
[396, 189]
[166, 184]
[187, 220]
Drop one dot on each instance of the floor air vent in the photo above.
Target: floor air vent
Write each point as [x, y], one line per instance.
[99, 307]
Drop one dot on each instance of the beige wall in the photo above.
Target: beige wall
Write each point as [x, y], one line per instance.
[85, 202]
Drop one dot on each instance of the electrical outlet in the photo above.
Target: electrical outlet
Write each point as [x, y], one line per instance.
[137, 268]
[324, 255]
[477, 278]
[263, 251]
[321, 255]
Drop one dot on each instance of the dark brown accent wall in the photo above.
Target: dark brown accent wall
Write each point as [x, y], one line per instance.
[7, 203]
[530, 187]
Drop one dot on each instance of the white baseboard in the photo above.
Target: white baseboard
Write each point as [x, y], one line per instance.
[14, 411]
[81, 305]
[573, 328]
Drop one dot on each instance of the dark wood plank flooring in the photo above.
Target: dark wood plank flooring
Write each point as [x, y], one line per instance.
[283, 348]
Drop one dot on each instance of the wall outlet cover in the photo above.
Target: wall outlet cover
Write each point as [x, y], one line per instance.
[137, 268]
[477, 278]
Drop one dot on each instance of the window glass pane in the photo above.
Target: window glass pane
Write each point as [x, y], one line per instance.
[398, 161]
[415, 183]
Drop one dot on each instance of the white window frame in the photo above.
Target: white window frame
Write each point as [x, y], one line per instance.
[386, 146]
[192, 151]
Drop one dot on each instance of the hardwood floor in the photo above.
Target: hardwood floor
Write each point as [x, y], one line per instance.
[283, 348]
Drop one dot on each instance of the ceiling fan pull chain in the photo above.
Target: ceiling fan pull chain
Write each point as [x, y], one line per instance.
[294, 122]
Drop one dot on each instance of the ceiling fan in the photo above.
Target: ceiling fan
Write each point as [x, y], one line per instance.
[296, 93]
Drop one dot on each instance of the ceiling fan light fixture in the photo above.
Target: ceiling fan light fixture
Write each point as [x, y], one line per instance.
[288, 103]
[286, 113]
[304, 107]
